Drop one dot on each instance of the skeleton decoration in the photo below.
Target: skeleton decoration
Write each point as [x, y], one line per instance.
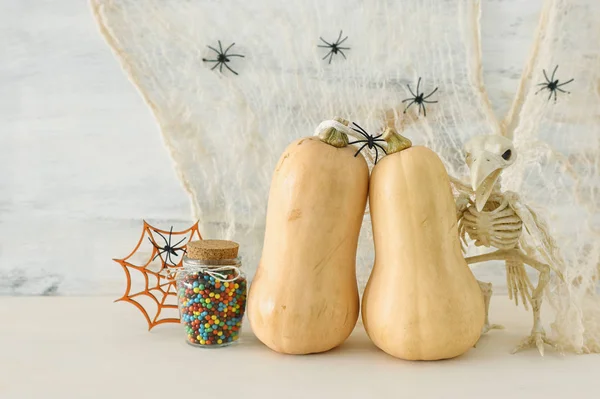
[498, 219]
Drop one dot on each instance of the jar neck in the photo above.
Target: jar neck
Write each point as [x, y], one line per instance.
[224, 270]
[211, 263]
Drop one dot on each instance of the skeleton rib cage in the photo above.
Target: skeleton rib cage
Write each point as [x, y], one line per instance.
[500, 227]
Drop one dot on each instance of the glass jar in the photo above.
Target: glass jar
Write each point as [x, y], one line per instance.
[211, 293]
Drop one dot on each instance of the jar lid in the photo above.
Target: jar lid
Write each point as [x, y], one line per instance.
[212, 249]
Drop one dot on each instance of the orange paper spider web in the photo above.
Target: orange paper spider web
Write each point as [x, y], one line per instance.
[163, 273]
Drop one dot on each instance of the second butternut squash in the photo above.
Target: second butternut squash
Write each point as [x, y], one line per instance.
[422, 301]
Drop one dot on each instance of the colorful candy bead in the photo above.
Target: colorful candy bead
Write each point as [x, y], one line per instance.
[211, 310]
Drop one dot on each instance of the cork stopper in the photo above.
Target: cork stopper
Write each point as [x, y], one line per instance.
[212, 249]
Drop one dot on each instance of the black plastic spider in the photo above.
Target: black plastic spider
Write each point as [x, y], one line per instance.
[222, 57]
[168, 248]
[419, 99]
[335, 47]
[552, 85]
[370, 141]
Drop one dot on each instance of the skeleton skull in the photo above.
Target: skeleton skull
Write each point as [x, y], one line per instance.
[487, 156]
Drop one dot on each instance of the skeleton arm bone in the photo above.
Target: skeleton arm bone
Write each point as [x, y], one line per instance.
[463, 199]
[462, 203]
[461, 186]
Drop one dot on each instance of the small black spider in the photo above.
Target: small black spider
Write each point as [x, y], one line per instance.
[419, 99]
[168, 248]
[552, 85]
[222, 57]
[335, 47]
[370, 141]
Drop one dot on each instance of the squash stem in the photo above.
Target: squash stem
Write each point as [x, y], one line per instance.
[395, 141]
[334, 137]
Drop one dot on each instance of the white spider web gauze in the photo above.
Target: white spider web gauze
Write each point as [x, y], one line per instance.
[225, 133]
[558, 166]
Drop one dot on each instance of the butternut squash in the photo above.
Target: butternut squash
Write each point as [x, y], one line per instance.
[304, 296]
[421, 301]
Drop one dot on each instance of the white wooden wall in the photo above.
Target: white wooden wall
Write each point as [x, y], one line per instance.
[81, 159]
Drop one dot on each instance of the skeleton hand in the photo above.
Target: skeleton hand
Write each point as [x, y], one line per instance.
[462, 202]
[518, 282]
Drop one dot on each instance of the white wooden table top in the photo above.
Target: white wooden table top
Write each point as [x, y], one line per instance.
[90, 347]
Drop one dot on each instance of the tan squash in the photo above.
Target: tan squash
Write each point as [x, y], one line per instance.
[304, 296]
[422, 301]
